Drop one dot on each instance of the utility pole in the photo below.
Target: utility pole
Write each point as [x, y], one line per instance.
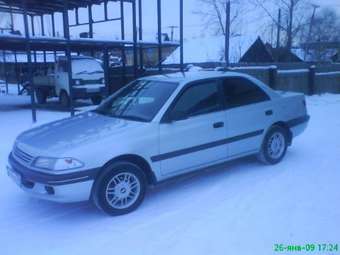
[227, 33]
[290, 25]
[315, 7]
[278, 38]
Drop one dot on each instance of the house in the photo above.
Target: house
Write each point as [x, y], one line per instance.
[320, 51]
[260, 52]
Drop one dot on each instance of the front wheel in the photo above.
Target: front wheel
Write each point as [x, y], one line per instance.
[120, 189]
[41, 96]
[274, 146]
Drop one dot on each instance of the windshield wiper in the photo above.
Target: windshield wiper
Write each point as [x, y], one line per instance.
[83, 72]
[130, 117]
[96, 72]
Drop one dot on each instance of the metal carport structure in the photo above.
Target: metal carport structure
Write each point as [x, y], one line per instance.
[30, 43]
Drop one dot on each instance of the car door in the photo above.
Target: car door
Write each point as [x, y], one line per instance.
[248, 114]
[194, 128]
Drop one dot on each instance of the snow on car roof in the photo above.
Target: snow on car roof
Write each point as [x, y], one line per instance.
[192, 76]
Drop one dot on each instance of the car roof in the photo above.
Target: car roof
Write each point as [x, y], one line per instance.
[185, 77]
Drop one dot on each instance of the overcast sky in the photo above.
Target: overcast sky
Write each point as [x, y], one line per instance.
[193, 27]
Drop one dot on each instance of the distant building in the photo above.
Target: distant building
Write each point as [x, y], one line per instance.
[320, 52]
[260, 52]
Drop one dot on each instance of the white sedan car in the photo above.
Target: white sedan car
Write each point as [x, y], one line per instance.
[153, 129]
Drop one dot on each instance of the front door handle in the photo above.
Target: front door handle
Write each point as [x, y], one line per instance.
[218, 125]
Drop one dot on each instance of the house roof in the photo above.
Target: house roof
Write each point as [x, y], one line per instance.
[265, 53]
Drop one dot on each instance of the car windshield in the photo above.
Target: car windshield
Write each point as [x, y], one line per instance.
[139, 101]
[86, 66]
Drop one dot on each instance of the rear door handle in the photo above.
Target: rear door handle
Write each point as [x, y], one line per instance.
[269, 112]
[218, 125]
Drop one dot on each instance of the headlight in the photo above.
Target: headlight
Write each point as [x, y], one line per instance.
[102, 80]
[57, 164]
[77, 82]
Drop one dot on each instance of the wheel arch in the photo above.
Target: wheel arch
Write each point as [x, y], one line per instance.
[286, 127]
[139, 161]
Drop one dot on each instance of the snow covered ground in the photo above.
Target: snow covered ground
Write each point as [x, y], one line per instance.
[242, 208]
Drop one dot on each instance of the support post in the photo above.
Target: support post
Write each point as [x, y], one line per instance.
[159, 33]
[90, 21]
[272, 76]
[134, 28]
[16, 71]
[68, 54]
[140, 16]
[33, 34]
[311, 80]
[105, 10]
[5, 70]
[12, 18]
[181, 35]
[122, 31]
[53, 34]
[122, 20]
[77, 15]
[42, 25]
[29, 62]
[43, 34]
[227, 33]
[106, 71]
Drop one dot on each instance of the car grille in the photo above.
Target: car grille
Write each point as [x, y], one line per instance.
[22, 156]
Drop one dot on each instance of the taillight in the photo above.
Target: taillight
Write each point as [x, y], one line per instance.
[304, 102]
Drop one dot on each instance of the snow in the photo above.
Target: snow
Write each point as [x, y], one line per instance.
[328, 73]
[210, 49]
[242, 208]
[293, 71]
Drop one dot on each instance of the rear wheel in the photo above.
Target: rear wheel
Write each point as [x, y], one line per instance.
[120, 189]
[96, 100]
[274, 146]
[64, 99]
[41, 96]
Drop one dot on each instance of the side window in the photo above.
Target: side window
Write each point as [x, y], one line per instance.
[240, 91]
[198, 99]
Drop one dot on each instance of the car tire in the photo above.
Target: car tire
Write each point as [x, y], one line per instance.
[64, 99]
[274, 146]
[96, 100]
[41, 96]
[120, 189]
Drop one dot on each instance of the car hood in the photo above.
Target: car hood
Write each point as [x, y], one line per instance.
[65, 134]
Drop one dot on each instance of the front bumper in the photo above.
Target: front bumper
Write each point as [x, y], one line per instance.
[72, 187]
[85, 92]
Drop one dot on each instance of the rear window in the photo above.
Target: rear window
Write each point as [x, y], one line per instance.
[239, 91]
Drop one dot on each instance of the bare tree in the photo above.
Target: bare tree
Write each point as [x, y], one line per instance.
[293, 16]
[213, 13]
[323, 29]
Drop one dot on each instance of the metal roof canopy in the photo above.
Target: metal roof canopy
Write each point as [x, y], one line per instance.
[30, 42]
[17, 43]
[39, 7]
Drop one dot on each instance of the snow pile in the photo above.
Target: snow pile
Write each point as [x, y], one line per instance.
[242, 208]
